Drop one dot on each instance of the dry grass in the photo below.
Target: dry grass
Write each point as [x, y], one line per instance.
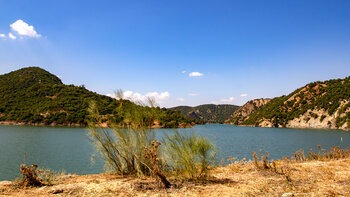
[308, 178]
[324, 173]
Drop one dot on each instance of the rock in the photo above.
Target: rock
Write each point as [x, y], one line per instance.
[56, 191]
[287, 195]
[5, 183]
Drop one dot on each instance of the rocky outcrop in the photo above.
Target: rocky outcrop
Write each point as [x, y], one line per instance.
[243, 113]
[321, 119]
[314, 119]
[318, 104]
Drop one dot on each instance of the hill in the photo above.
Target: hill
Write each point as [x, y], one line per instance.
[244, 112]
[208, 113]
[316, 105]
[34, 96]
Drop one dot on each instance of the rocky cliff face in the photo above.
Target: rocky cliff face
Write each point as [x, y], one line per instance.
[321, 119]
[243, 113]
[315, 119]
[316, 105]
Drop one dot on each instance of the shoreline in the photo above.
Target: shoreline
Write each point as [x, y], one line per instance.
[74, 125]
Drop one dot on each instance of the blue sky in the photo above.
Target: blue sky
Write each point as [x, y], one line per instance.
[235, 50]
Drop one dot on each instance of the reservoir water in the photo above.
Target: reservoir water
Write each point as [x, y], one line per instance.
[60, 148]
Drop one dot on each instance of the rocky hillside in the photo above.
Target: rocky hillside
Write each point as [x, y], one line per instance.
[209, 113]
[34, 96]
[243, 113]
[316, 105]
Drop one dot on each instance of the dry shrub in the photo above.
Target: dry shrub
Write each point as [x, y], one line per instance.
[156, 164]
[30, 176]
[235, 164]
[264, 163]
[334, 153]
[280, 167]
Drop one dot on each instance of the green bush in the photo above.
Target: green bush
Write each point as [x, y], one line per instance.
[122, 148]
[189, 154]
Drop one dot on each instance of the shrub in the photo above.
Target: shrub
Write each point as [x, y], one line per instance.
[189, 154]
[30, 176]
[122, 148]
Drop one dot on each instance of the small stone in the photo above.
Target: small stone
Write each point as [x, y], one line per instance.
[287, 195]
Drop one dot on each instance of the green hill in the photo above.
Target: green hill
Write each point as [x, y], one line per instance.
[316, 105]
[34, 96]
[208, 113]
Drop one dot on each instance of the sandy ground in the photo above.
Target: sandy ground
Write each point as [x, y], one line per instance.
[311, 178]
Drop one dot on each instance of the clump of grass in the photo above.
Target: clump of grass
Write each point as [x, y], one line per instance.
[189, 154]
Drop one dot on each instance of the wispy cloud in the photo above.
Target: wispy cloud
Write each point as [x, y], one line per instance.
[195, 74]
[228, 100]
[180, 99]
[22, 28]
[244, 95]
[193, 94]
[2, 36]
[183, 72]
[12, 36]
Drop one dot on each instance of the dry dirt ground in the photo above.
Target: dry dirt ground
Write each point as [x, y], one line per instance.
[310, 178]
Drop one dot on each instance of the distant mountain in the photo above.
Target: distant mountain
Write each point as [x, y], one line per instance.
[316, 105]
[208, 113]
[34, 96]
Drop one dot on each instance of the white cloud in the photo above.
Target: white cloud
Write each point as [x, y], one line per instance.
[12, 36]
[244, 95]
[195, 74]
[137, 97]
[183, 72]
[228, 100]
[23, 29]
[180, 99]
[193, 94]
[158, 96]
[2, 36]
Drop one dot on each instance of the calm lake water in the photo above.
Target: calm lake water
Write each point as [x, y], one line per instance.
[71, 150]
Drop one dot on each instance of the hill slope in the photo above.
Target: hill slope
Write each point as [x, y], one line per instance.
[34, 96]
[244, 112]
[208, 113]
[316, 105]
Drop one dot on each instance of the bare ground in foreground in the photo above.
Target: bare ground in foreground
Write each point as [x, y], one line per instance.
[308, 178]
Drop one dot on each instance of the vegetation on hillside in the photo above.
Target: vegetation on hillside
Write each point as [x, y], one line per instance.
[327, 95]
[208, 113]
[35, 96]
